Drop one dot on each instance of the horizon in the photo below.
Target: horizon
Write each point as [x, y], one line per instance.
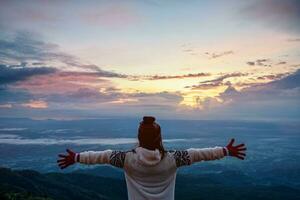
[139, 118]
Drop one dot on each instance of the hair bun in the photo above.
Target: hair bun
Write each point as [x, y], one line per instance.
[148, 119]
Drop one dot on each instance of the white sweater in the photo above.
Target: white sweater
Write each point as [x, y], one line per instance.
[147, 175]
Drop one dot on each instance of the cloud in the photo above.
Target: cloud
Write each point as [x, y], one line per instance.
[272, 76]
[210, 84]
[17, 140]
[281, 63]
[25, 48]
[8, 105]
[205, 86]
[218, 55]
[277, 14]
[63, 83]
[225, 76]
[251, 63]
[14, 73]
[10, 129]
[275, 100]
[293, 40]
[270, 90]
[289, 82]
[261, 62]
[36, 104]
[207, 103]
[162, 77]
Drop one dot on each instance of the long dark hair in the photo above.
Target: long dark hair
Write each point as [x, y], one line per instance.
[149, 135]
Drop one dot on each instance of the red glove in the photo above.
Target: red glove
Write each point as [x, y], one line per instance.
[67, 160]
[237, 151]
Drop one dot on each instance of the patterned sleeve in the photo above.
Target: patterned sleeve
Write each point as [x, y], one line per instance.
[117, 158]
[181, 157]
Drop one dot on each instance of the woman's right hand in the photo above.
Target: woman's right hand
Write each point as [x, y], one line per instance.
[66, 160]
[237, 151]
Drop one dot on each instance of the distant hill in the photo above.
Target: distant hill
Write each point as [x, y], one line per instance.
[32, 185]
[60, 186]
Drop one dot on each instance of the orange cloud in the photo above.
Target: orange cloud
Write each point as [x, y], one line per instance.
[36, 104]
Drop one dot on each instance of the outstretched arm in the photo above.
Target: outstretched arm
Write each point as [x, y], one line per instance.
[192, 155]
[115, 158]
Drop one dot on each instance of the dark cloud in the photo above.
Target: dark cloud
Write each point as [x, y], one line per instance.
[24, 48]
[293, 40]
[161, 77]
[277, 99]
[272, 76]
[225, 76]
[99, 73]
[205, 86]
[288, 82]
[251, 63]
[260, 62]
[209, 84]
[217, 55]
[281, 63]
[277, 14]
[11, 74]
[286, 88]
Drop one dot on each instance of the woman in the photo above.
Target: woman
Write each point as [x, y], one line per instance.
[150, 171]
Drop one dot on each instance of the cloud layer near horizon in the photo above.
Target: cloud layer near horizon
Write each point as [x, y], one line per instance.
[30, 86]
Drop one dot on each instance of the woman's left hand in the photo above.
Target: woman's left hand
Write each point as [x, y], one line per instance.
[237, 151]
[66, 160]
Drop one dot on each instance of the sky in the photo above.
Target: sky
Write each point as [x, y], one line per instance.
[171, 59]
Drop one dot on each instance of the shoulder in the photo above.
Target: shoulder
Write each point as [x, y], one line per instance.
[181, 157]
[117, 158]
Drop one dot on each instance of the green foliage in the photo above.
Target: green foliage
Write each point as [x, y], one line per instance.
[20, 196]
[31, 185]
[60, 186]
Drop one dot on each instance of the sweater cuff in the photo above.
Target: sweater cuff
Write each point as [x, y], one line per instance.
[225, 151]
[77, 157]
